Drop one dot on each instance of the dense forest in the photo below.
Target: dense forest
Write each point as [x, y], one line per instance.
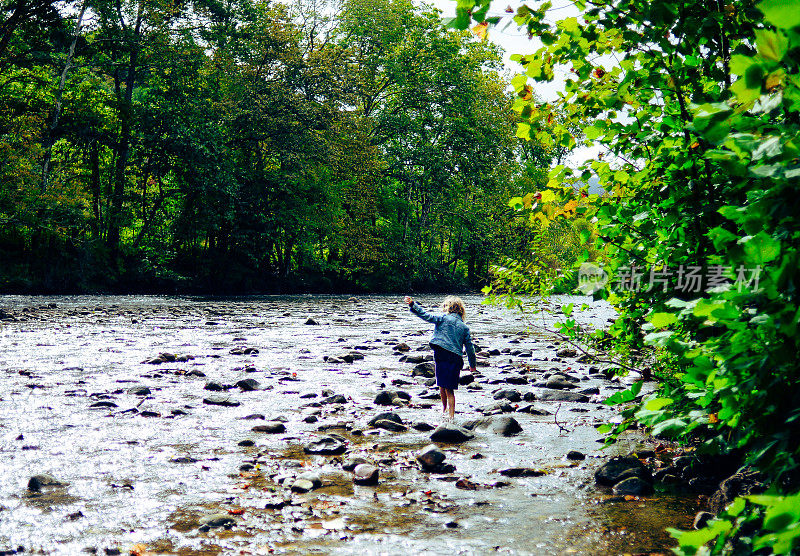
[241, 146]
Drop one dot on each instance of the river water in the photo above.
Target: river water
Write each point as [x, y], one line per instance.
[144, 471]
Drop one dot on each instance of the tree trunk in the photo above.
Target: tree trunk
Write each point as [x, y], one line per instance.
[51, 129]
[94, 161]
[124, 144]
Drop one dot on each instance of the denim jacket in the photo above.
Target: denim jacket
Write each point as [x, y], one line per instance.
[450, 332]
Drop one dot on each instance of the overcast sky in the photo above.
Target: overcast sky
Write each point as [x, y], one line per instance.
[514, 40]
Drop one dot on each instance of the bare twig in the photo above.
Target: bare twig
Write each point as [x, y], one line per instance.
[561, 428]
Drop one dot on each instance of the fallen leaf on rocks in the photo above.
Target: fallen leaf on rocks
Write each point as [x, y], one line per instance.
[464, 484]
[236, 511]
[138, 549]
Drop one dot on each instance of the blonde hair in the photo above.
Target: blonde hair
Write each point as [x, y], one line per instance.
[453, 304]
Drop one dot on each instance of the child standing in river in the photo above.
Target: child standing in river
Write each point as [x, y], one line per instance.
[450, 334]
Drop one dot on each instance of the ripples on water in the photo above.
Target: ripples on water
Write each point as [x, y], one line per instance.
[124, 488]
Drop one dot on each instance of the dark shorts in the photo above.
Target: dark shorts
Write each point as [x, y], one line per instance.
[448, 367]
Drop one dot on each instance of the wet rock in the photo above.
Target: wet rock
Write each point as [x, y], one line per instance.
[351, 463]
[310, 419]
[549, 395]
[325, 445]
[633, 486]
[429, 395]
[214, 386]
[37, 482]
[366, 474]
[424, 369]
[336, 398]
[221, 401]
[139, 391]
[390, 426]
[149, 413]
[465, 484]
[516, 380]
[270, 427]
[311, 322]
[415, 359]
[246, 443]
[620, 468]
[390, 397]
[503, 425]
[532, 410]
[744, 482]
[430, 457]
[195, 372]
[248, 384]
[466, 378]
[336, 425]
[451, 434]
[497, 408]
[522, 472]
[183, 459]
[316, 480]
[402, 347]
[101, 405]
[387, 415]
[352, 356]
[254, 417]
[566, 352]
[302, 485]
[529, 397]
[559, 382]
[216, 521]
[575, 455]
[510, 395]
[593, 391]
[702, 519]
[274, 503]
[243, 351]
[422, 426]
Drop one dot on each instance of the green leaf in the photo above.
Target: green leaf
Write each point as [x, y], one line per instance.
[657, 404]
[661, 320]
[783, 14]
[760, 248]
[516, 203]
[704, 308]
[523, 130]
[721, 237]
[771, 45]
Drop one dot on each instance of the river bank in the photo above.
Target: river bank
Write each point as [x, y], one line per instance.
[189, 426]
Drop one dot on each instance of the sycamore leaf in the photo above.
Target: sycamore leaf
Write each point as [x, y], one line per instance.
[661, 320]
[783, 14]
[481, 30]
[771, 45]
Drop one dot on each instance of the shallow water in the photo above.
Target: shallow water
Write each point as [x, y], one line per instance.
[63, 354]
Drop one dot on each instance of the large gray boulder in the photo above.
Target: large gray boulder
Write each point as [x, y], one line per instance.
[503, 425]
[451, 434]
[620, 468]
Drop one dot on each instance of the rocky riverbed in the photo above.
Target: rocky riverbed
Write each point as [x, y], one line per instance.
[307, 424]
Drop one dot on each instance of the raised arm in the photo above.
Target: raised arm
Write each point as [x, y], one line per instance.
[422, 313]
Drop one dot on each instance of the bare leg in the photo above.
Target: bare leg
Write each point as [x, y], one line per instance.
[443, 395]
[451, 402]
